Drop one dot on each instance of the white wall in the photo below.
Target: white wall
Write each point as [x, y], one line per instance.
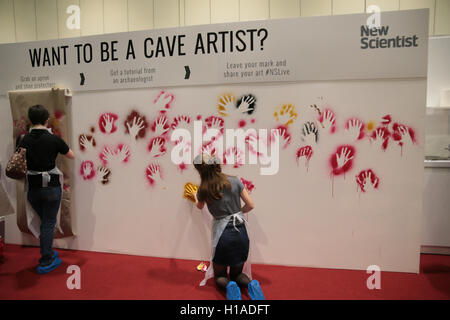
[28, 20]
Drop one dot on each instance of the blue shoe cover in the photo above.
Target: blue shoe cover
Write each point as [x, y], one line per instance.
[52, 266]
[233, 291]
[55, 254]
[255, 291]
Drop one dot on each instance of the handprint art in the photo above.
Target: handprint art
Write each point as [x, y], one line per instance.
[87, 170]
[281, 134]
[153, 174]
[136, 125]
[156, 147]
[403, 135]
[285, 114]
[380, 138]
[226, 105]
[160, 126]
[310, 133]
[234, 156]
[181, 121]
[248, 185]
[103, 175]
[354, 129]
[327, 119]
[120, 154]
[163, 101]
[106, 123]
[213, 122]
[86, 143]
[303, 155]
[342, 159]
[246, 104]
[367, 181]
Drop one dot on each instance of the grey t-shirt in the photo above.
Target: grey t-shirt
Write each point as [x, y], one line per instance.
[230, 202]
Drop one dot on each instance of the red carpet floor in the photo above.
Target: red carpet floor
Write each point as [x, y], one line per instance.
[114, 276]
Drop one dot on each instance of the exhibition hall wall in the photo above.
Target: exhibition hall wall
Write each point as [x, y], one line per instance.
[347, 192]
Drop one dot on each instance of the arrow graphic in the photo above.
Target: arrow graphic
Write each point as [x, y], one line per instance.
[82, 79]
[188, 72]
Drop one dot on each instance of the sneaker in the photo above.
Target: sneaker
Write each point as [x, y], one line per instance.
[233, 291]
[52, 266]
[255, 291]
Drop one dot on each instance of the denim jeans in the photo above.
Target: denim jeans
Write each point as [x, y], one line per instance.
[46, 201]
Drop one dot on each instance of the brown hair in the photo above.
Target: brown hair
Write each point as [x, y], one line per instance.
[213, 181]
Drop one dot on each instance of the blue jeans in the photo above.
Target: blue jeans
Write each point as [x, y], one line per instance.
[46, 201]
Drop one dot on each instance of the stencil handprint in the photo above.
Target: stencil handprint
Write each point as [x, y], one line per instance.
[328, 119]
[234, 156]
[153, 174]
[380, 138]
[120, 154]
[281, 134]
[341, 160]
[355, 129]
[106, 123]
[286, 114]
[87, 170]
[86, 143]
[304, 154]
[103, 175]
[248, 185]
[157, 147]
[246, 104]
[160, 125]
[136, 125]
[310, 133]
[226, 105]
[367, 180]
[181, 122]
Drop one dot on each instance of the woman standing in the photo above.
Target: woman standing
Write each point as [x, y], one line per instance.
[43, 178]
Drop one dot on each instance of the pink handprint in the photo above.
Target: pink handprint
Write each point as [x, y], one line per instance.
[181, 121]
[341, 160]
[136, 125]
[403, 134]
[327, 118]
[248, 185]
[282, 134]
[157, 147]
[380, 138]
[213, 122]
[120, 154]
[106, 123]
[304, 153]
[160, 125]
[367, 180]
[233, 156]
[87, 170]
[123, 153]
[153, 174]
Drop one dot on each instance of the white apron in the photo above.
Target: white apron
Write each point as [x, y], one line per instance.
[33, 220]
[217, 229]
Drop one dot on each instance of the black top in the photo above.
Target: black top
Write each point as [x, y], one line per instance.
[42, 149]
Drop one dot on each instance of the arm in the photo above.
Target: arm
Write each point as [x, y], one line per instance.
[249, 204]
[199, 204]
[70, 154]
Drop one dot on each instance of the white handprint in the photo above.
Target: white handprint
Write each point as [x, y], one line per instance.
[226, 105]
[343, 158]
[328, 119]
[244, 105]
[282, 136]
[154, 174]
[157, 147]
[160, 126]
[123, 153]
[378, 138]
[353, 128]
[181, 121]
[405, 136]
[108, 155]
[108, 122]
[286, 114]
[87, 170]
[102, 174]
[309, 132]
[305, 154]
[136, 126]
[87, 144]
[365, 181]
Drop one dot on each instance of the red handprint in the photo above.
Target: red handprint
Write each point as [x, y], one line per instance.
[248, 185]
[342, 160]
[327, 118]
[157, 147]
[233, 156]
[107, 123]
[160, 126]
[181, 121]
[304, 153]
[355, 129]
[163, 101]
[87, 170]
[367, 180]
[380, 138]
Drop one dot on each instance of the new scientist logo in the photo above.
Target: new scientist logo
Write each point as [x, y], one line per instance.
[379, 38]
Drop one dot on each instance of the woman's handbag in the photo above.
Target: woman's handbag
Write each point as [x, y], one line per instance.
[16, 167]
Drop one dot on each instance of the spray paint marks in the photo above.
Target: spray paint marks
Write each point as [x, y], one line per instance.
[327, 120]
[380, 138]
[163, 101]
[282, 134]
[246, 104]
[136, 125]
[403, 134]
[157, 147]
[87, 170]
[120, 154]
[248, 185]
[226, 104]
[160, 126]
[285, 114]
[242, 123]
[341, 161]
[86, 142]
[304, 154]
[234, 156]
[153, 174]
[107, 123]
[310, 134]
[354, 128]
[367, 181]
[181, 121]
[104, 175]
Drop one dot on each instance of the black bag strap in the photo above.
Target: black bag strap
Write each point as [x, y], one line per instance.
[19, 141]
